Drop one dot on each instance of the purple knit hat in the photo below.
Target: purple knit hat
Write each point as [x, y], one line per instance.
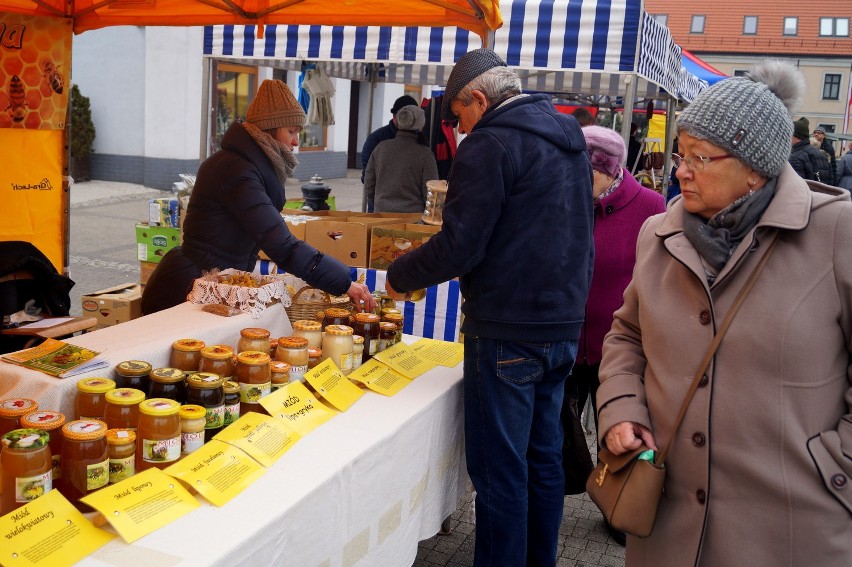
[606, 149]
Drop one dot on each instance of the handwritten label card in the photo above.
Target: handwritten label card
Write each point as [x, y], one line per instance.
[142, 503]
[49, 531]
[380, 378]
[264, 438]
[404, 360]
[218, 471]
[442, 353]
[331, 384]
[296, 406]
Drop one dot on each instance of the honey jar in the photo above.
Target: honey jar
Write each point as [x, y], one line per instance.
[335, 316]
[232, 402]
[186, 354]
[51, 422]
[337, 345]
[11, 411]
[357, 351]
[168, 383]
[191, 428]
[396, 317]
[311, 330]
[121, 446]
[314, 357]
[90, 400]
[158, 434]
[387, 335]
[122, 408]
[85, 460]
[217, 359]
[27, 468]
[294, 351]
[253, 338]
[367, 325]
[132, 374]
[205, 389]
[280, 374]
[255, 381]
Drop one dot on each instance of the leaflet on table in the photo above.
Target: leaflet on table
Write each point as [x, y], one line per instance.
[297, 407]
[263, 437]
[404, 360]
[379, 377]
[330, 383]
[443, 353]
[57, 358]
[48, 531]
[218, 471]
[142, 504]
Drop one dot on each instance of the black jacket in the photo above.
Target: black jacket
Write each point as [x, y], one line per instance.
[810, 163]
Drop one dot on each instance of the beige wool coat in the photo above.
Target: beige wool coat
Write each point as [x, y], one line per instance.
[759, 472]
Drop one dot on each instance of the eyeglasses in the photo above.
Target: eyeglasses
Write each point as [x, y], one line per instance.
[696, 163]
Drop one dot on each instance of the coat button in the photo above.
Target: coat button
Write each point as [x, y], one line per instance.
[609, 209]
[698, 439]
[701, 496]
[839, 481]
[703, 381]
[704, 318]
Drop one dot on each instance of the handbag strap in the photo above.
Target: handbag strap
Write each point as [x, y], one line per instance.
[717, 339]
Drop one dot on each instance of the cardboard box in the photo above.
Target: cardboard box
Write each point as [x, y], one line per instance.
[346, 238]
[163, 212]
[152, 242]
[389, 242]
[113, 305]
[145, 271]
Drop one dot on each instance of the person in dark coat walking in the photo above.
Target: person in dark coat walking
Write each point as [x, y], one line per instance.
[826, 146]
[386, 132]
[807, 161]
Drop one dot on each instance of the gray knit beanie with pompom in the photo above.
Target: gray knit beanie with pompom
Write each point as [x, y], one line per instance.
[750, 117]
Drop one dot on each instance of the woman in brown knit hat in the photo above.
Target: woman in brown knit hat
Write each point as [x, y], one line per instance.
[234, 210]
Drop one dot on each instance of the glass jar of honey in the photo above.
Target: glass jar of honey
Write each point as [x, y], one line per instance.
[335, 316]
[205, 389]
[279, 374]
[367, 326]
[253, 338]
[255, 380]
[387, 335]
[186, 354]
[51, 422]
[121, 446]
[11, 411]
[158, 434]
[27, 468]
[357, 351]
[319, 317]
[311, 330]
[168, 383]
[232, 402]
[217, 359]
[90, 400]
[314, 357]
[122, 408]
[132, 374]
[397, 318]
[294, 351]
[337, 345]
[191, 428]
[85, 460]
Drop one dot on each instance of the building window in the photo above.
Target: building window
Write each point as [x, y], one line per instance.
[834, 27]
[827, 127]
[750, 25]
[739, 72]
[791, 26]
[662, 19]
[697, 24]
[831, 87]
[233, 89]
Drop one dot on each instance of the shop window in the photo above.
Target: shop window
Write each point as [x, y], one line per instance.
[233, 89]
[750, 25]
[831, 87]
[697, 25]
[312, 137]
[834, 27]
[791, 26]
[740, 72]
[662, 19]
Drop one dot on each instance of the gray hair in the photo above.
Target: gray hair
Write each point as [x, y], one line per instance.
[497, 84]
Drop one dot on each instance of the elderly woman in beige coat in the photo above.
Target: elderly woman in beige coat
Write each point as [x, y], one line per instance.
[759, 471]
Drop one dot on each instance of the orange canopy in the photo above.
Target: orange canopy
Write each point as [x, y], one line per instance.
[477, 16]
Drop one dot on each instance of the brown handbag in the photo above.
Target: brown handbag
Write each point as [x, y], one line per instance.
[627, 489]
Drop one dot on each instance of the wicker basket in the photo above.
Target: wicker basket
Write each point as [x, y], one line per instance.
[308, 300]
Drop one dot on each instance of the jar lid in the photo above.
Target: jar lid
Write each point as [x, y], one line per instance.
[120, 436]
[393, 317]
[167, 375]
[358, 339]
[16, 407]
[96, 385]
[293, 342]
[314, 352]
[159, 407]
[320, 315]
[253, 357]
[133, 368]
[338, 330]
[254, 333]
[335, 312]
[306, 325]
[278, 366]
[192, 411]
[366, 317]
[217, 352]
[27, 438]
[47, 420]
[125, 396]
[205, 380]
[387, 326]
[389, 310]
[84, 429]
[231, 387]
[188, 345]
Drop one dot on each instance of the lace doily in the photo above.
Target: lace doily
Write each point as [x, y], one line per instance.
[209, 289]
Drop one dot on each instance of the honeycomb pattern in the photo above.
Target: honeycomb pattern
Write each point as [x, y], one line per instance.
[34, 71]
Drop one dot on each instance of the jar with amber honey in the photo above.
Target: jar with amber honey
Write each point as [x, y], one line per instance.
[186, 354]
[205, 389]
[311, 330]
[27, 468]
[314, 357]
[253, 375]
[192, 419]
[279, 373]
[253, 338]
[168, 383]
[132, 374]
[396, 317]
[12, 410]
[335, 316]
[294, 351]
[232, 402]
[85, 460]
[91, 397]
[52, 422]
[337, 345]
[121, 445]
[367, 325]
[122, 408]
[387, 335]
[217, 359]
[158, 434]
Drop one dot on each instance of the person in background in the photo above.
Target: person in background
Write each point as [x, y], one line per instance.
[825, 145]
[634, 149]
[758, 473]
[386, 132]
[844, 169]
[235, 207]
[621, 207]
[807, 161]
[517, 231]
[583, 116]
[396, 176]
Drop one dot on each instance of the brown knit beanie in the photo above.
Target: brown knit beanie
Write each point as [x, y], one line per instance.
[274, 106]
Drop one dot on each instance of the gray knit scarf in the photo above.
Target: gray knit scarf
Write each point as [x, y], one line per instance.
[717, 238]
[279, 154]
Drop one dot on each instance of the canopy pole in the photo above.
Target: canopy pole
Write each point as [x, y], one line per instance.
[206, 110]
[630, 81]
[488, 41]
[372, 70]
[671, 127]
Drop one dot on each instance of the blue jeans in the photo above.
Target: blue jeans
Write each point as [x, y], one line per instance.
[512, 400]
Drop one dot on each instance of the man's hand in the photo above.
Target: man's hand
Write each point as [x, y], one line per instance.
[361, 297]
[396, 295]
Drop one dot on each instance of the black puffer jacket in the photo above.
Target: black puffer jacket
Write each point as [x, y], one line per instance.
[810, 163]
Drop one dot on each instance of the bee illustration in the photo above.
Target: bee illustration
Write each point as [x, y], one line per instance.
[52, 75]
[17, 100]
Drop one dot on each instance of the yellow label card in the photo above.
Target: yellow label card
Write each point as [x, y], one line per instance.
[142, 504]
[48, 531]
[264, 438]
[379, 378]
[442, 353]
[331, 384]
[404, 360]
[296, 406]
[218, 471]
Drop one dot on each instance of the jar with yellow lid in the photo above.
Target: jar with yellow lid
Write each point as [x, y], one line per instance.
[168, 383]
[191, 428]
[12, 410]
[387, 335]
[51, 422]
[337, 345]
[132, 374]
[85, 460]
[335, 316]
[279, 374]
[253, 338]
[27, 468]
[121, 446]
[311, 330]
[217, 359]
[158, 434]
[367, 326]
[122, 408]
[357, 351]
[205, 389]
[398, 319]
[90, 400]
[294, 351]
[314, 357]
[186, 354]
[232, 402]
[253, 375]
